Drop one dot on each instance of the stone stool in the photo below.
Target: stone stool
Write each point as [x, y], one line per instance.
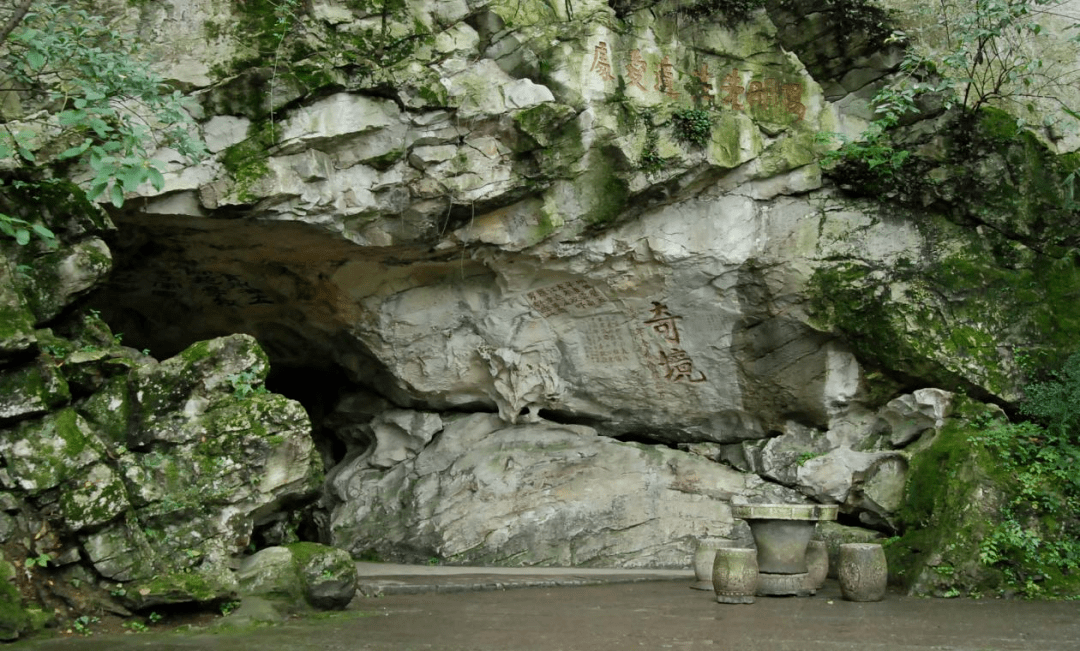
[817, 564]
[703, 561]
[735, 575]
[862, 572]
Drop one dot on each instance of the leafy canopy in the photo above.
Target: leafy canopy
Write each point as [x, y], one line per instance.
[74, 95]
[1038, 534]
[969, 54]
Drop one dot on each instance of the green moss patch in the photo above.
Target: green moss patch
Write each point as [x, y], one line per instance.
[951, 502]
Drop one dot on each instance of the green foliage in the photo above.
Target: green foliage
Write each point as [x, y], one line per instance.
[650, 160]
[136, 626]
[983, 52]
[1056, 402]
[20, 230]
[41, 560]
[228, 606]
[852, 18]
[967, 56]
[246, 384]
[107, 112]
[692, 126]
[871, 153]
[82, 624]
[1038, 536]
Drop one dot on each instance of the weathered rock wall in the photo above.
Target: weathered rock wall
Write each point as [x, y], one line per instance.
[509, 213]
[511, 232]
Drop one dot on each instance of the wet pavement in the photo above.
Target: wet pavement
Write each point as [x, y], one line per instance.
[472, 609]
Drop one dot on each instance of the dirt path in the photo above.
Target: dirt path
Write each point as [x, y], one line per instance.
[655, 615]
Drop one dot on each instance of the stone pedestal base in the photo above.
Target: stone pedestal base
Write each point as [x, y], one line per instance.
[780, 585]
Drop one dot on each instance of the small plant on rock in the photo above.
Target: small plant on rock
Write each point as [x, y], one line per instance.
[245, 384]
[650, 159]
[228, 606]
[82, 624]
[693, 126]
[136, 626]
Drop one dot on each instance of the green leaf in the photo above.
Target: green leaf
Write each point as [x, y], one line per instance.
[96, 190]
[75, 151]
[117, 196]
[22, 236]
[132, 177]
[156, 179]
[43, 232]
[35, 59]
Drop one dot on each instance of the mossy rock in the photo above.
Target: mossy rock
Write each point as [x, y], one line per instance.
[203, 374]
[32, 390]
[16, 319]
[56, 278]
[543, 121]
[308, 573]
[954, 319]
[95, 498]
[42, 454]
[952, 500]
[205, 585]
[14, 620]
[328, 574]
[109, 410]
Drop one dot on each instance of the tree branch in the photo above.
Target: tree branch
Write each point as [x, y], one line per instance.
[15, 19]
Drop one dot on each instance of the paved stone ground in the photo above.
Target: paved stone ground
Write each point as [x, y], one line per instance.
[658, 614]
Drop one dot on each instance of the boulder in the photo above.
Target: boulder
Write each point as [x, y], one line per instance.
[206, 585]
[192, 453]
[948, 517]
[59, 277]
[912, 414]
[300, 574]
[543, 493]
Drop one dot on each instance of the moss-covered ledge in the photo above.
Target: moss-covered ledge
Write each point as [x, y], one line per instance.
[960, 316]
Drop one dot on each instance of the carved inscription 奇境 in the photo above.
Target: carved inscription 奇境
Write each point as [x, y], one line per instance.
[607, 340]
[675, 362]
[735, 93]
[573, 294]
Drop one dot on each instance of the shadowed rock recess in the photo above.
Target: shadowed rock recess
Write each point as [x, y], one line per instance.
[534, 317]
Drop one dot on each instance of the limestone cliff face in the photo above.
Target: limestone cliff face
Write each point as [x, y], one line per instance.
[586, 220]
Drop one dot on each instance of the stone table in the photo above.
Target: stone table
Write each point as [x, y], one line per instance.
[782, 533]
